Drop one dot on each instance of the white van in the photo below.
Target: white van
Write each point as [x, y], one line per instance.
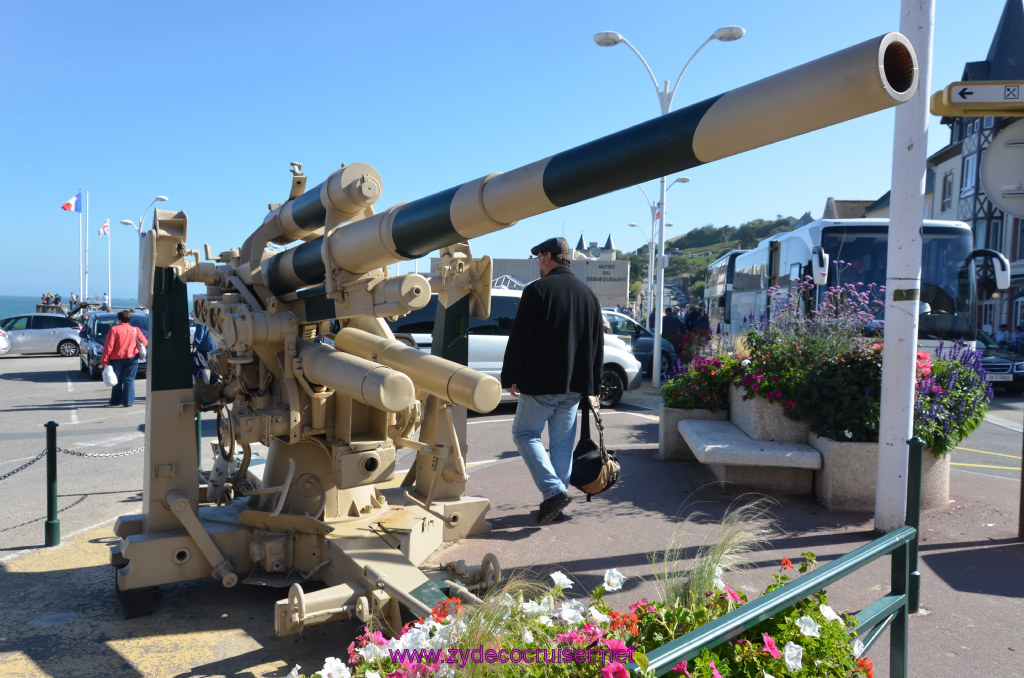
[488, 337]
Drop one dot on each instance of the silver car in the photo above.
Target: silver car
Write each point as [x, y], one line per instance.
[42, 333]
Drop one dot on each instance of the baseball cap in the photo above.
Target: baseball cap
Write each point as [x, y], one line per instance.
[555, 246]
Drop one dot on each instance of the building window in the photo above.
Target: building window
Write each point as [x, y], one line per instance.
[987, 312]
[995, 237]
[988, 120]
[1018, 313]
[1020, 237]
[969, 176]
[947, 191]
[980, 233]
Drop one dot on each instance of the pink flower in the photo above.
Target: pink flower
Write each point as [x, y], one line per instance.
[732, 594]
[681, 668]
[770, 648]
[398, 673]
[714, 670]
[570, 638]
[614, 644]
[614, 670]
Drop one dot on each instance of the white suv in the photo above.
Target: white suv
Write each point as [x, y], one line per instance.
[488, 337]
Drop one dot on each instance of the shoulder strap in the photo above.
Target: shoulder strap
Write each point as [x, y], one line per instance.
[585, 408]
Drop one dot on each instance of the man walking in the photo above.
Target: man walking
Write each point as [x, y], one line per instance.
[553, 358]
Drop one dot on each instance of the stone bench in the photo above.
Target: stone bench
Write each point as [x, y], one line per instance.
[734, 457]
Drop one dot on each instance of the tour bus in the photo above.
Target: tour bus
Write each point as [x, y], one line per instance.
[839, 251]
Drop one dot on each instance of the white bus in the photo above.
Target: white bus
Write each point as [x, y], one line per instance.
[839, 251]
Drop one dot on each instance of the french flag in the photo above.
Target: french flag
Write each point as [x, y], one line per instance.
[74, 204]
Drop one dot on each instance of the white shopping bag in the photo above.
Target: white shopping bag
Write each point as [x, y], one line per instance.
[109, 378]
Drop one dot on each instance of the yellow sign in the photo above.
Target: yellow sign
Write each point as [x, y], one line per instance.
[980, 98]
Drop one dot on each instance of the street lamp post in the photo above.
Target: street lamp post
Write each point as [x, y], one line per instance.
[138, 229]
[650, 256]
[665, 97]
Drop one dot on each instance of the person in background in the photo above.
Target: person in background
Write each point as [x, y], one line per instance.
[105, 304]
[553, 358]
[202, 344]
[1002, 336]
[121, 352]
[1017, 340]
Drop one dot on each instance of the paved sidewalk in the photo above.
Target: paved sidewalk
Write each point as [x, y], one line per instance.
[63, 619]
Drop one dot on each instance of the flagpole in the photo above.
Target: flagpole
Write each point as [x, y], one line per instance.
[109, 288]
[87, 242]
[81, 288]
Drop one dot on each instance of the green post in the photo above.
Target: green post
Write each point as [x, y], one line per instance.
[199, 439]
[52, 527]
[914, 520]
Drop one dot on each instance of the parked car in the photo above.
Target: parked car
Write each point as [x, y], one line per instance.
[5, 343]
[488, 337]
[94, 335]
[42, 333]
[1005, 368]
[641, 340]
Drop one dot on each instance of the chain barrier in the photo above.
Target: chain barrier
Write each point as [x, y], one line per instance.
[73, 453]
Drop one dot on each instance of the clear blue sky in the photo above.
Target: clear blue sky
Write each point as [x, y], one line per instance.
[208, 102]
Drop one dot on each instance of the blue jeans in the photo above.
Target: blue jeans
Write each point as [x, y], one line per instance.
[550, 472]
[123, 393]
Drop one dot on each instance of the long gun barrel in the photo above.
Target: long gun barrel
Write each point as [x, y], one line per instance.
[874, 75]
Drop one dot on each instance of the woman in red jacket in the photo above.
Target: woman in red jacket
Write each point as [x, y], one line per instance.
[121, 352]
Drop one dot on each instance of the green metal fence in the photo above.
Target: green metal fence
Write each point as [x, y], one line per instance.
[891, 611]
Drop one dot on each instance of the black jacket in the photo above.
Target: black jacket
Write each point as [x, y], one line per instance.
[556, 344]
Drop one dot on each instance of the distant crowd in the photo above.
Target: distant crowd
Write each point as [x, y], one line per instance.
[54, 299]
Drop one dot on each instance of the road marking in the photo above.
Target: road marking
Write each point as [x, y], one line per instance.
[996, 454]
[71, 388]
[1005, 468]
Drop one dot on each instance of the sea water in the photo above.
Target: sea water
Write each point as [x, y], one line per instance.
[16, 305]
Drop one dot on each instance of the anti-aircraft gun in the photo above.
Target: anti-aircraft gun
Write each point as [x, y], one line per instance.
[322, 509]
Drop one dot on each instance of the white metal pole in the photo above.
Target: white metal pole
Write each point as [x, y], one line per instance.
[903, 279]
[109, 287]
[660, 288]
[86, 242]
[650, 270]
[81, 288]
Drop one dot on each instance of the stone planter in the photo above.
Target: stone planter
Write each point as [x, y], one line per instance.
[670, 443]
[849, 472]
[763, 420]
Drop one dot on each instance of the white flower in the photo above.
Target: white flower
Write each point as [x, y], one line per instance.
[829, 613]
[335, 668]
[571, 612]
[533, 608]
[858, 647]
[527, 636]
[546, 620]
[793, 655]
[768, 675]
[745, 362]
[613, 580]
[848, 433]
[372, 674]
[294, 673]
[561, 580]
[808, 626]
[446, 671]
[596, 616]
[719, 583]
[371, 652]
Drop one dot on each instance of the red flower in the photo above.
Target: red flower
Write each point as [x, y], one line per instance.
[865, 665]
[787, 564]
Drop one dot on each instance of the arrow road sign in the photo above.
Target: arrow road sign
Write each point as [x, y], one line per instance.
[984, 92]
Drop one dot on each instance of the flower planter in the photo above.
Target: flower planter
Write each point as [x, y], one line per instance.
[764, 420]
[849, 473]
[670, 443]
